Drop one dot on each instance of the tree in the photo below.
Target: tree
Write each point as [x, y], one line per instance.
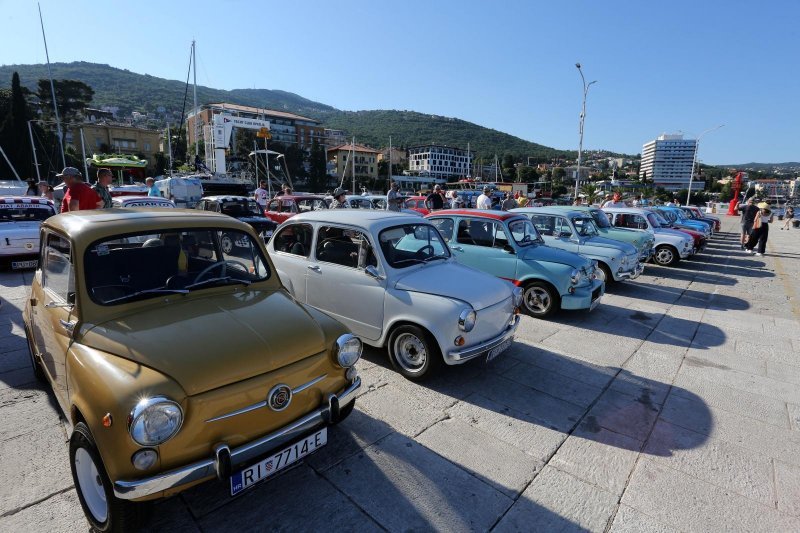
[318, 167]
[726, 193]
[590, 192]
[160, 168]
[14, 131]
[72, 97]
[558, 175]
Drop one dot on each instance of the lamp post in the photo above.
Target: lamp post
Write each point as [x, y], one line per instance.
[583, 117]
[694, 159]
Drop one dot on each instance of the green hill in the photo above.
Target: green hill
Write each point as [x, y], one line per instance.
[130, 91]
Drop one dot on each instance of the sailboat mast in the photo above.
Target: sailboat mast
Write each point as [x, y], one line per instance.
[389, 182]
[53, 91]
[196, 111]
[495, 168]
[469, 167]
[353, 166]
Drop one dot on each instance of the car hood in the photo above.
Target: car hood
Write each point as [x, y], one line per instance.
[541, 252]
[208, 342]
[624, 234]
[674, 232]
[258, 221]
[453, 280]
[611, 244]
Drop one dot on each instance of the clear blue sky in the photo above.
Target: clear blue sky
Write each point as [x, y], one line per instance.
[661, 66]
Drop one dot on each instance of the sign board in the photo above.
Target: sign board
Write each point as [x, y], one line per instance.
[263, 133]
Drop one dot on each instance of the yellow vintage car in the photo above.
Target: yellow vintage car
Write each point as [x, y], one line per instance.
[175, 362]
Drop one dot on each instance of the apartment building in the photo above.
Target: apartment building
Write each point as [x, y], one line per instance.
[100, 137]
[363, 158]
[667, 162]
[439, 161]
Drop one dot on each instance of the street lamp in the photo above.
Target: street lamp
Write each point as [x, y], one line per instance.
[694, 159]
[583, 117]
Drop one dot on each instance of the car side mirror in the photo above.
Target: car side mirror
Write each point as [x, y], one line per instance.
[564, 234]
[372, 272]
[507, 248]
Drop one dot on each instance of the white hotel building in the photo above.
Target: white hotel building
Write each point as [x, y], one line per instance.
[667, 162]
[439, 161]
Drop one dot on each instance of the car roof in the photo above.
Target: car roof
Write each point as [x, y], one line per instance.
[33, 200]
[226, 198]
[90, 225]
[480, 213]
[635, 210]
[366, 218]
[299, 197]
[551, 211]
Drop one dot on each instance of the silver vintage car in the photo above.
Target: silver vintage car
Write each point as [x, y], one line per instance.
[391, 279]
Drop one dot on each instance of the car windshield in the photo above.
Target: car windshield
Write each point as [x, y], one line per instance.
[241, 208]
[657, 221]
[411, 244]
[128, 267]
[524, 232]
[600, 218]
[585, 226]
[22, 212]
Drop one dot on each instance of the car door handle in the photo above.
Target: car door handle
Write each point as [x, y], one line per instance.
[457, 248]
[68, 326]
[315, 268]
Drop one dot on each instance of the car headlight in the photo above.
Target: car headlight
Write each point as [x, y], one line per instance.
[466, 320]
[154, 421]
[575, 276]
[347, 350]
[623, 260]
[517, 296]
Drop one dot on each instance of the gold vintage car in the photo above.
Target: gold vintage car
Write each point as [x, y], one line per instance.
[175, 362]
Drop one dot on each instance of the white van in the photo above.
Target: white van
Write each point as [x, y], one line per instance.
[185, 192]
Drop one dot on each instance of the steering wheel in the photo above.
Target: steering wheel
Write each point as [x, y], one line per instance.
[223, 264]
[426, 247]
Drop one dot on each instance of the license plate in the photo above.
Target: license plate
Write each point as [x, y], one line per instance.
[246, 478]
[497, 350]
[33, 263]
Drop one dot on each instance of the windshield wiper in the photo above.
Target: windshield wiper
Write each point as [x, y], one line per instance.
[214, 280]
[431, 258]
[147, 291]
[400, 261]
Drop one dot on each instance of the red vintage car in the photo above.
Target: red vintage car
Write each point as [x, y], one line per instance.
[417, 203]
[282, 207]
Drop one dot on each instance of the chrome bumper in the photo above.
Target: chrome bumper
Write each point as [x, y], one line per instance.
[457, 357]
[220, 465]
[632, 274]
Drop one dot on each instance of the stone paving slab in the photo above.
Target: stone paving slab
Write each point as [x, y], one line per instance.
[673, 406]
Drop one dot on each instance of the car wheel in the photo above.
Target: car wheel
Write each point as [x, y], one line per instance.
[603, 273]
[540, 300]
[414, 353]
[104, 511]
[226, 243]
[666, 255]
[38, 372]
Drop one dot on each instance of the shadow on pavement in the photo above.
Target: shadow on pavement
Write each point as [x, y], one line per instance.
[682, 297]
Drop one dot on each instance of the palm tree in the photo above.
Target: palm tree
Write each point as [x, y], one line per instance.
[590, 192]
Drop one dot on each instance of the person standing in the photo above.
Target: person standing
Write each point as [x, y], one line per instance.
[760, 234]
[522, 201]
[152, 190]
[616, 201]
[104, 177]
[394, 200]
[484, 200]
[33, 189]
[434, 201]
[788, 216]
[339, 198]
[78, 196]
[261, 195]
[749, 212]
[508, 203]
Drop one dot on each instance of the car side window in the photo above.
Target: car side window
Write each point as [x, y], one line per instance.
[58, 276]
[480, 232]
[545, 224]
[445, 227]
[274, 206]
[562, 227]
[345, 247]
[294, 239]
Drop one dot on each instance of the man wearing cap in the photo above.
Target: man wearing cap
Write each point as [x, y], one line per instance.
[749, 212]
[101, 187]
[78, 196]
[339, 200]
[484, 200]
[434, 201]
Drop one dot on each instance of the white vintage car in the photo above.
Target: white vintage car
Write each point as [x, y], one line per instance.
[141, 201]
[390, 278]
[20, 218]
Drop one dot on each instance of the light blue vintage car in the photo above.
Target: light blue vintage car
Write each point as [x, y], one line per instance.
[575, 231]
[508, 246]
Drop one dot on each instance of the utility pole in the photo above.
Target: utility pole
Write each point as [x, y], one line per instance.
[583, 117]
[694, 159]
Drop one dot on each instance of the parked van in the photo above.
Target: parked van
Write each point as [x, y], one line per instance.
[185, 192]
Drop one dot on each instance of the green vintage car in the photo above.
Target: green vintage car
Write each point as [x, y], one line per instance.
[641, 240]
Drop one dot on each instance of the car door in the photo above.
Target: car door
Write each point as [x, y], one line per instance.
[276, 210]
[56, 314]
[337, 283]
[291, 247]
[564, 234]
[484, 244]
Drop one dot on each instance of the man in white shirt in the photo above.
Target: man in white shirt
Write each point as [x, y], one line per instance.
[484, 201]
[616, 201]
[394, 200]
[261, 195]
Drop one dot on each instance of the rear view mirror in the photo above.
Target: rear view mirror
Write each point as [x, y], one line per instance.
[564, 234]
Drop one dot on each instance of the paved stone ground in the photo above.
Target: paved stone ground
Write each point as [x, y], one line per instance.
[674, 406]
